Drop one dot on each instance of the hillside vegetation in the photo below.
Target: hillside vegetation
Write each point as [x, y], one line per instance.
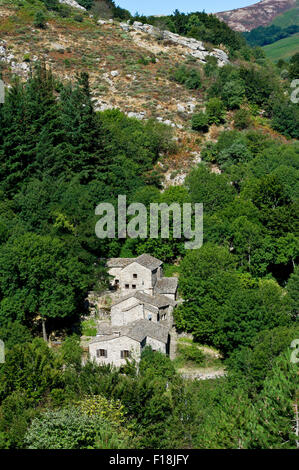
[283, 49]
[94, 109]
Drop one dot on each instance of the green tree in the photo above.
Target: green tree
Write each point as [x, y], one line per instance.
[32, 368]
[70, 428]
[213, 191]
[39, 277]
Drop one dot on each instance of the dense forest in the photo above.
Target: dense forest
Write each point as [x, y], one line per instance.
[59, 158]
[262, 36]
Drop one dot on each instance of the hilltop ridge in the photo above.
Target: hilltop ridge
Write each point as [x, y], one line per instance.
[259, 14]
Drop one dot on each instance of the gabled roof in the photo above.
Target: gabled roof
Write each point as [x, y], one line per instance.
[145, 260]
[166, 285]
[119, 262]
[157, 300]
[148, 261]
[140, 329]
[137, 330]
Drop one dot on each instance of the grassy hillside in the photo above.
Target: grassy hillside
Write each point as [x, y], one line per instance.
[288, 18]
[282, 49]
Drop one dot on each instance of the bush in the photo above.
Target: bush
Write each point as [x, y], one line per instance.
[186, 76]
[215, 111]
[89, 327]
[192, 353]
[200, 122]
[40, 20]
[70, 428]
[242, 119]
[78, 18]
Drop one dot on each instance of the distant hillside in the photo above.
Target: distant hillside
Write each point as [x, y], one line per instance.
[288, 18]
[260, 14]
[282, 49]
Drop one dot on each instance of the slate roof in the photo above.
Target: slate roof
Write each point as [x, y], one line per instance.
[145, 260]
[148, 261]
[137, 331]
[119, 262]
[166, 285]
[157, 300]
[140, 329]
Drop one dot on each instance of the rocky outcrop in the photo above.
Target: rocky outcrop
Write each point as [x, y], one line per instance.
[72, 3]
[259, 14]
[19, 68]
[194, 47]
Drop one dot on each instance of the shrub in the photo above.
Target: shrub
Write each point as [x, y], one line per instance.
[192, 353]
[200, 122]
[242, 119]
[70, 428]
[215, 111]
[186, 76]
[89, 327]
[78, 18]
[40, 20]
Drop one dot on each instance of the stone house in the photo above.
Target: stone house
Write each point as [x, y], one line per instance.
[141, 317]
[141, 306]
[142, 273]
[114, 345]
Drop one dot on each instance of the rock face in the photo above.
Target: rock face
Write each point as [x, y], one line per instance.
[19, 68]
[194, 47]
[260, 14]
[72, 3]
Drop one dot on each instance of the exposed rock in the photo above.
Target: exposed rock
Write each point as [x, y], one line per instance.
[55, 46]
[72, 3]
[125, 26]
[181, 108]
[19, 68]
[195, 48]
[139, 116]
[197, 157]
[102, 22]
[169, 123]
[114, 73]
[100, 105]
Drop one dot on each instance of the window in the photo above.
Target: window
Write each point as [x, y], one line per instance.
[127, 286]
[101, 352]
[149, 317]
[135, 276]
[133, 286]
[125, 354]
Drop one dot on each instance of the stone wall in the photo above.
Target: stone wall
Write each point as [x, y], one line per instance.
[142, 282]
[114, 348]
[120, 317]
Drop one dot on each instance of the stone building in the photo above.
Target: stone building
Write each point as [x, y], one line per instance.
[141, 315]
[113, 345]
[142, 273]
